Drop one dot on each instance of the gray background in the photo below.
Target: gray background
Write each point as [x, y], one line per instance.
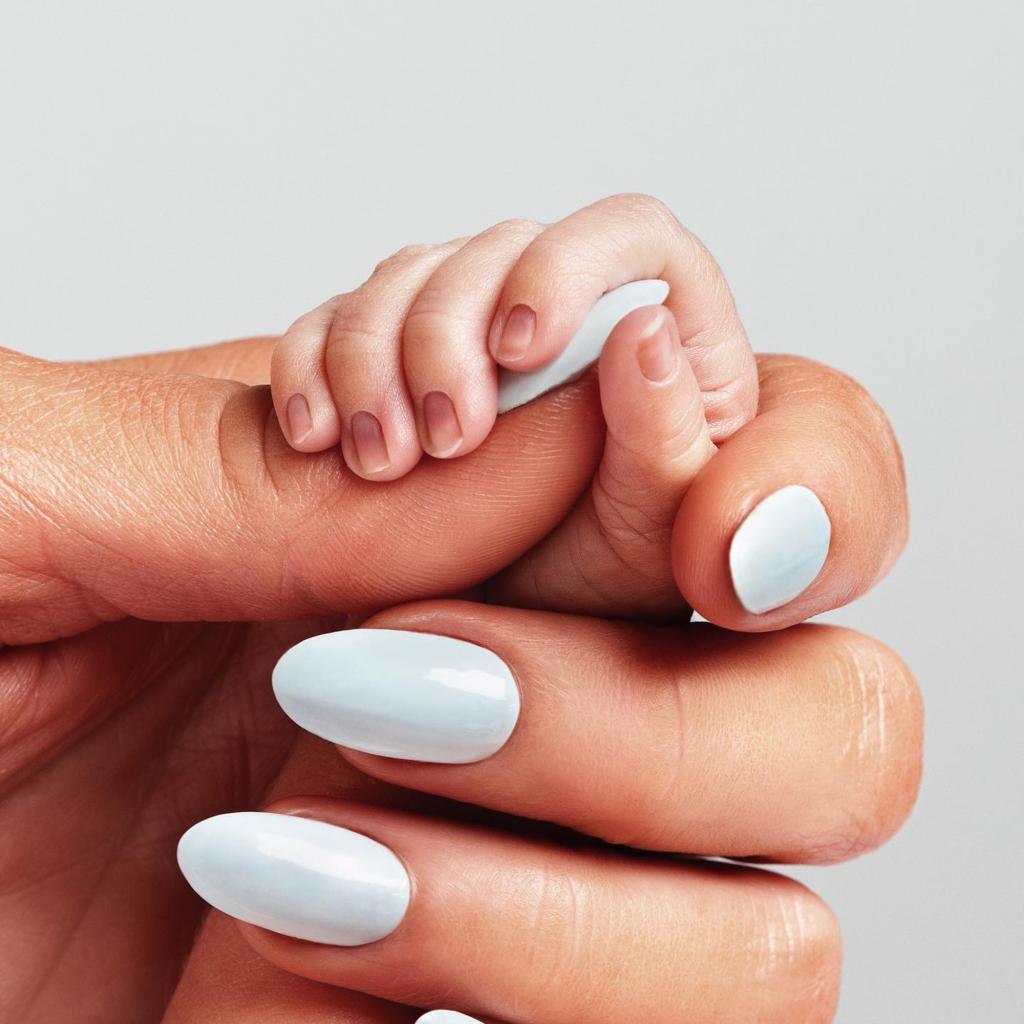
[171, 174]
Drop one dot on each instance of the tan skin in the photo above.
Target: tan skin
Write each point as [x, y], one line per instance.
[123, 722]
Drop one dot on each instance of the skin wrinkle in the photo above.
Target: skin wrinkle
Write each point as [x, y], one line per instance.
[156, 761]
[167, 411]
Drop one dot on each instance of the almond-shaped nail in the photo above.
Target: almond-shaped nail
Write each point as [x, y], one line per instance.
[444, 433]
[517, 334]
[779, 549]
[296, 876]
[395, 693]
[368, 440]
[300, 421]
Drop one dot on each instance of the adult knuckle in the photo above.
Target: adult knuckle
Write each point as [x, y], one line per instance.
[881, 754]
[797, 953]
[554, 907]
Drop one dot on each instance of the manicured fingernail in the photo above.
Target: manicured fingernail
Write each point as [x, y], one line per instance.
[779, 549]
[445, 1017]
[415, 696]
[516, 335]
[444, 434]
[368, 439]
[296, 876]
[300, 422]
[657, 354]
[515, 389]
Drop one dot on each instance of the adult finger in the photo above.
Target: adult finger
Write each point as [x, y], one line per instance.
[802, 746]
[429, 912]
[625, 238]
[801, 511]
[224, 981]
[175, 497]
[246, 360]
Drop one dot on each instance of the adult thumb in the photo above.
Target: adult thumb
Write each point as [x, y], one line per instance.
[174, 497]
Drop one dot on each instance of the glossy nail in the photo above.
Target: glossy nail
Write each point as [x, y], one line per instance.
[515, 389]
[657, 352]
[296, 876]
[445, 1017]
[300, 421]
[415, 696]
[779, 549]
[516, 335]
[368, 441]
[444, 434]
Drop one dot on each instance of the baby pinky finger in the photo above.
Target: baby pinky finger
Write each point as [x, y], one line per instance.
[298, 382]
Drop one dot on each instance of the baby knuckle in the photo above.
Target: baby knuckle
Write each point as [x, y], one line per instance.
[355, 319]
[516, 227]
[400, 260]
[640, 204]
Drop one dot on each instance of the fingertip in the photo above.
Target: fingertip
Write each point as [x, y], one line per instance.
[526, 336]
[452, 427]
[378, 451]
[308, 426]
[512, 334]
[802, 511]
[757, 566]
[651, 400]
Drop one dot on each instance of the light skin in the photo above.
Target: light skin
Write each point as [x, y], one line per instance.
[137, 501]
[406, 364]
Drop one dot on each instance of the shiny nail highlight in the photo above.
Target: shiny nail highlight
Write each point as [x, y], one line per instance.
[779, 549]
[296, 876]
[414, 696]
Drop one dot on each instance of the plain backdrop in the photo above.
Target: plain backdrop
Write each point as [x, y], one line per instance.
[177, 173]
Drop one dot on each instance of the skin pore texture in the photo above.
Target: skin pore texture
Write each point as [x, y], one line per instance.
[164, 547]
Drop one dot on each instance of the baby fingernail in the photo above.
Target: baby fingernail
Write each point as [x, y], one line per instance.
[779, 549]
[415, 696]
[444, 434]
[300, 422]
[515, 388]
[368, 439]
[445, 1017]
[657, 354]
[516, 335]
[296, 876]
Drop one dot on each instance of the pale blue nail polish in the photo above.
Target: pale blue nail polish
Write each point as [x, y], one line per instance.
[779, 549]
[395, 693]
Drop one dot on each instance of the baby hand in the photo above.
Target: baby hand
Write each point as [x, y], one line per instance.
[408, 363]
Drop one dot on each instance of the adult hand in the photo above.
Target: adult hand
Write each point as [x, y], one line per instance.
[145, 490]
[139, 494]
[800, 746]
